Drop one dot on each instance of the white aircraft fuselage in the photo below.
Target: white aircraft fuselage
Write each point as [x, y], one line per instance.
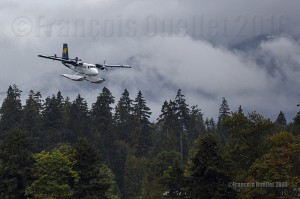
[83, 71]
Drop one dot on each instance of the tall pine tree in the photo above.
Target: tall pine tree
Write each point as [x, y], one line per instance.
[182, 113]
[78, 119]
[53, 120]
[31, 120]
[101, 114]
[11, 110]
[281, 119]
[16, 164]
[95, 179]
[123, 117]
[209, 174]
[143, 136]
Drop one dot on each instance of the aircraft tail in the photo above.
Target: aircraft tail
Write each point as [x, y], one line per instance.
[65, 53]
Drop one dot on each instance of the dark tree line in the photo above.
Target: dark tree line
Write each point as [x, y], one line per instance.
[57, 148]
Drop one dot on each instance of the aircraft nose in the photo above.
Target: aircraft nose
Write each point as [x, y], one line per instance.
[95, 71]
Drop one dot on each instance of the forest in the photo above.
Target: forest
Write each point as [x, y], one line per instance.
[57, 148]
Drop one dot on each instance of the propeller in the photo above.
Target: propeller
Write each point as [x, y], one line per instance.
[101, 66]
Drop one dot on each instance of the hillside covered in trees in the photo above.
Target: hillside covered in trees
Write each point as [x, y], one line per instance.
[57, 148]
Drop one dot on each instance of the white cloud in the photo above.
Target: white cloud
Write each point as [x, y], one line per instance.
[199, 62]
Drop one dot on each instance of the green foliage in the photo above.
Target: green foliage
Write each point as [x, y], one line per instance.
[123, 117]
[31, 120]
[165, 176]
[16, 164]
[246, 140]
[11, 110]
[281, 139]
[281, 164]
[103, 122]
[78, 119]
[208, 169]
[148, 159]
[95, 179]
[224, 110]
[141, 113]
[53, 171]
[281, 119]
[135, 174]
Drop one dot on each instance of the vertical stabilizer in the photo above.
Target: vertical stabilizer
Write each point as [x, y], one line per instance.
[65, 53]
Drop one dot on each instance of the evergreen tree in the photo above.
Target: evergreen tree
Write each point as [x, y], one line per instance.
[95, 179]
[123, 117]
[123, 121]
[210, 125]
[141, 113]
[53, 112]
[11, 110]
[246, 138]
[102, 118]
[281, 119]
[31, 120]
[16, 164]
[169, 125]
[78, 119]
[135, 174]
[165, 176]
[182, 113]
[196, 125]
[224, 110]
[53, 120]
[209, 175]
[240, 110]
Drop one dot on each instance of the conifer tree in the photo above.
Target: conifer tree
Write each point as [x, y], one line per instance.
[196, 124]
[209, 175]
[16, 164]
[123, 117]
[168, 123]
[31, 120]
[224, 110]
[53, 120]
[53, 112]
[143, 137]
[11, 110]
[281, 119]
[78, 119]
[182, 113]
[240, 110]
[95, 179]
[210, 125]
[101, 114]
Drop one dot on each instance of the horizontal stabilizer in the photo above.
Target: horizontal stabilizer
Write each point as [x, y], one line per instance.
[94, 79]
[73, 77]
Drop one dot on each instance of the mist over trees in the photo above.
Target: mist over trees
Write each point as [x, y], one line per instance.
[57, 148]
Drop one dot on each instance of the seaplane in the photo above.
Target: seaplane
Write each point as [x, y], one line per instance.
[83, 71]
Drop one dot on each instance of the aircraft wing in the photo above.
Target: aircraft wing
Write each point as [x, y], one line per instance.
[57, 58]
[118, 66]
[103, 66]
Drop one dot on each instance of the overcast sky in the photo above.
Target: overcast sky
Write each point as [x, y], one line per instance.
[247, 51]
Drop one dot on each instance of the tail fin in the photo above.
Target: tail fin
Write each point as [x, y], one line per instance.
[65, 53]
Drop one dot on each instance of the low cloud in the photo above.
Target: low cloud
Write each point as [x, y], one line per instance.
[172, 44]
